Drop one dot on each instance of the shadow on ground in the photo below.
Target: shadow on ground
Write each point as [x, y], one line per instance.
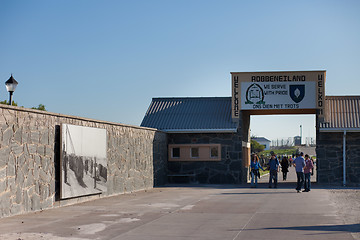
[351, 228]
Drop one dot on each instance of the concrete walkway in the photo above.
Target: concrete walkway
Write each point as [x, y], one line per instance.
[190, 212]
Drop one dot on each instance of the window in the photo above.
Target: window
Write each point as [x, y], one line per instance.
[214, 152]
[195, 152]
[176, 152]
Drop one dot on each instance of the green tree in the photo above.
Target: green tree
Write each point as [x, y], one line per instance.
[40, 107]
[7, 103]
[256, 147]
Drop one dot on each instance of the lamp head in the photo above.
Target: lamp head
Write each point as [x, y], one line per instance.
[11, 84]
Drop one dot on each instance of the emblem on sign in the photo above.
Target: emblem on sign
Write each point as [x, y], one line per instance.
[254, 94]
[297, 92]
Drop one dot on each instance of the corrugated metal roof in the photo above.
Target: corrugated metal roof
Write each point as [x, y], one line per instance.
[198, 114]
[342, 113]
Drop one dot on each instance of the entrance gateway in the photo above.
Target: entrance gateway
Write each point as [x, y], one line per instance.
[269, 93]
[208, 138]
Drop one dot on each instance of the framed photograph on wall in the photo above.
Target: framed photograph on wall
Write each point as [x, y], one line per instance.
[83, 161]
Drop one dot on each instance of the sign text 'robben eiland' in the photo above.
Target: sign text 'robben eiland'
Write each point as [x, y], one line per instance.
[278, 92]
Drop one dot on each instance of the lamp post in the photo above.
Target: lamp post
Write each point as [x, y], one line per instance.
[10, 86]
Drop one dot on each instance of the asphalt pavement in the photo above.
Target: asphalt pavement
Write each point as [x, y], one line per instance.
[190, 212]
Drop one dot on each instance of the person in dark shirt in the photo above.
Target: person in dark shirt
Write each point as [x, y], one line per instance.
[284, 167]
[299, 163]
[274, 169]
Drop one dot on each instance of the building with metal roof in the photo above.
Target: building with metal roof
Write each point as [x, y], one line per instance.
[203, 142]
[190, 115]
[338, 141]
[263, 141]
[342, 114]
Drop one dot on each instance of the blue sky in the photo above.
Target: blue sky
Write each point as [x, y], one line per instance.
[106, 59]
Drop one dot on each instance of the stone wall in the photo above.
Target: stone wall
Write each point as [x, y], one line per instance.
[30, 159]
[353, 158]
[226, 171]
[329, 151]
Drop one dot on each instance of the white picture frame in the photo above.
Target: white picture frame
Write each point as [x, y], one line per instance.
[83, 161]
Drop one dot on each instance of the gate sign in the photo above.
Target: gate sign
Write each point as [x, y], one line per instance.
[277, 96]
[278, 92]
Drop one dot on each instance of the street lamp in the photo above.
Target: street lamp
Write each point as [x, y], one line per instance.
[10, 86]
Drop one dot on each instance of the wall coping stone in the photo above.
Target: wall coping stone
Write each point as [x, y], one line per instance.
[23, 109]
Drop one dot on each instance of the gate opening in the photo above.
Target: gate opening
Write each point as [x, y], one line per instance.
[286, 135]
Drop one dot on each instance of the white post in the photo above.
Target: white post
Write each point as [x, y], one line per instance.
[344, 158]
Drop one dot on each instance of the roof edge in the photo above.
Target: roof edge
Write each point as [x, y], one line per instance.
[279, 71]
[339, 129]
[185, 98]
[342, 96]
[261, 138]
[232, 130]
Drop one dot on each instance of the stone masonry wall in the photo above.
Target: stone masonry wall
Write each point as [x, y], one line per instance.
[329, 151]
[226, 171]
[353, 158]
[30, 159]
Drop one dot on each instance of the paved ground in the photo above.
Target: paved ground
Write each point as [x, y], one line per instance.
[196, 212]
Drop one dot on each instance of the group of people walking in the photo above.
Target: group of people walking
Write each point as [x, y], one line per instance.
[303, 167]
[303, 171]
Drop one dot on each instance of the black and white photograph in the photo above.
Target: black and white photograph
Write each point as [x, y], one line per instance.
[83, 161]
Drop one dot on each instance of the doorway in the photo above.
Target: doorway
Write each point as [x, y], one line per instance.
[287, 134]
